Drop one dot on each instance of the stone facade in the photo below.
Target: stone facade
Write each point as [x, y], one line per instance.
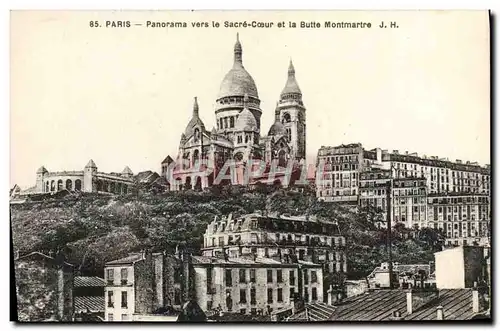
[86, 180]
[461, 267]
[281, 237]
[143, 283]
[254, 285]
[44, 288]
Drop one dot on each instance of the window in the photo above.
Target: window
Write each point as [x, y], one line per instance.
[280, 295]
[253, 311]
[209, 280]
[243, 296]
[111, 276]
[269, 276]
[314, 294]
[124, 299]
[314, 277]
[124, 317]
[177, 296]
[243, 311]
[306, 278]
[110, 299]
[252, 275]
[279, 276]
[229, 280]
[110, 317]
[243, 278]
[269, 295]
[253, 301]
[124, 276]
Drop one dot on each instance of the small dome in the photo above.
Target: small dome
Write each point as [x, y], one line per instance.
[246, 121]
[291, 85]
[91, 164]
[41, 170]
[277, 129]
[238, 81]
[127, 171]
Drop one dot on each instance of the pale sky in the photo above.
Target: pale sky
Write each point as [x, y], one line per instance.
[123, 96]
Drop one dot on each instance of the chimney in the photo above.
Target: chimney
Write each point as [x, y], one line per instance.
[330, 295]
[416, 298]
[396, 315]
[439, 313]
[475, 299]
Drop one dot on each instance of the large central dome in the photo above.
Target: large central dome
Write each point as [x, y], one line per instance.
[238, 81]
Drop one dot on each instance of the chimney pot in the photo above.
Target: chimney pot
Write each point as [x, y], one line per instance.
[475, 299]
[439, 313]
[409, 303]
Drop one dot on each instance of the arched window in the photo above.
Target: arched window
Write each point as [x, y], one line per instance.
[196, 134]
[188, 183]
[289, 134]
[52, 186]
[196, 156]
[78, 185]
[225, 122]
[231, 121]
[47, 186]
[69, 184]
[246, 138]
[287, 118]
[197, 186]
[240, 139]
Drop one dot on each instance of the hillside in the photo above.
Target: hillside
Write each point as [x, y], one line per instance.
[93, 229]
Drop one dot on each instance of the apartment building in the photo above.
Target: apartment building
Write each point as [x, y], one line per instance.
[254, 285]
[426, 191]
[301, 238]
[408, 197]
[338, 167]
[142, 283]
[465, 218]
[338, 170]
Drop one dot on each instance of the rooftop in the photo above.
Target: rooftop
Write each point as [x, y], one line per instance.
[380, 305]
[132, 258]
[313, 312]
[237, 317]
[89, 303]
[81, 281]
[244, 261]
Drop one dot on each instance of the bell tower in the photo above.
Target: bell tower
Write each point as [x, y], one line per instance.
[292, 114]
